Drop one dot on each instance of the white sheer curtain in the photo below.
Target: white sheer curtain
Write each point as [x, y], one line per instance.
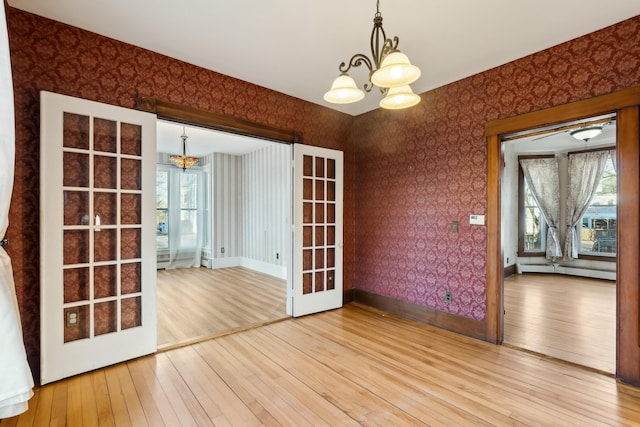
[185, 217]
[585, 172]
[543, 179]
[614, 159]
[16, 382]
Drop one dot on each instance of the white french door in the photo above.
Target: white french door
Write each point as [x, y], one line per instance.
[97, 235]
[317, 234]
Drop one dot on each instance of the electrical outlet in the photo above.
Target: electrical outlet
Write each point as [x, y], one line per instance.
[221, 250]
[73, 318]
[277, 255]
[507, 260]
[454, 226]
[447, 297]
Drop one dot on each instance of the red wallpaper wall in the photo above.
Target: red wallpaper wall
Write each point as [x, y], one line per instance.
[408, 173]
[47, 55]
[421, 169]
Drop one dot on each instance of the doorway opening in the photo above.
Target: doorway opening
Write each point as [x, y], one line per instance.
[224, 268]
[626, 104]
[559, 303]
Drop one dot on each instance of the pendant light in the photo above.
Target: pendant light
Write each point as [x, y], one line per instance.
[388, 69]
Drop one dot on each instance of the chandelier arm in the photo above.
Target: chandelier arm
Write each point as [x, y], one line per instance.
[396, 40]
[356, 60]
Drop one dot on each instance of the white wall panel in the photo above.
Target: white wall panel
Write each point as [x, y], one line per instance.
[227, 205]
[266, 188]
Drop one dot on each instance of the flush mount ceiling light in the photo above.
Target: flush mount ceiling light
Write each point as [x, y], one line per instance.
[389, 69]
[183, 161]
[586, 133]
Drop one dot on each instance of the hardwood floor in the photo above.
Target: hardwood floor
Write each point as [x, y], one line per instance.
[197, 303]
[567, 317]
[352, 366]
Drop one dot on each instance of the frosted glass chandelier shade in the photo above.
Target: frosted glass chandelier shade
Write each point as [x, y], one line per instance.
[399, 97]
[343, 91]
[395, 70]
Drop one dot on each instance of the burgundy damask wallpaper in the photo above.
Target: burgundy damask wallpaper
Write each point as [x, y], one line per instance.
[408, 173]
[421, 169]
[47, 55]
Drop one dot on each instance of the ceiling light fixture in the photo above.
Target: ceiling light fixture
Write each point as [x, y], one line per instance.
[586, 133]
[389, 69]
[183, 161]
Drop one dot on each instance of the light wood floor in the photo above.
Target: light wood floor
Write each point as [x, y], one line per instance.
[567, 317]
[196, 303]
[349, 367]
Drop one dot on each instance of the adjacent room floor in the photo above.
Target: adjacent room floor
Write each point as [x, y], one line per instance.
[567, 317]
[197, 303]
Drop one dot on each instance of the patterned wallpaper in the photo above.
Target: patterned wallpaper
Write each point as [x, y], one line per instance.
[48, 55]
[408, 174]
[421, 169]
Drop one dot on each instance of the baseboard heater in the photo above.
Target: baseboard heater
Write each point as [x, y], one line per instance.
[560, 269]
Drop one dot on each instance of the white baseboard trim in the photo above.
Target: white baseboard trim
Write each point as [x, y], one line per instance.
[535, 268]
[278, 271]
[226, 262]
[252, 264]
[560, 269]
[587, 272]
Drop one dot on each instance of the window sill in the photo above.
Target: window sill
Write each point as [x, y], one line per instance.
[597, 258]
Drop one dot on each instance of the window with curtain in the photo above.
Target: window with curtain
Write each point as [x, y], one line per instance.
[533, 227]
[598, 225]
[539, 207]
[179, 216]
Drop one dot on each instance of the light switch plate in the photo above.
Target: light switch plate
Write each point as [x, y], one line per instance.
[476, 219]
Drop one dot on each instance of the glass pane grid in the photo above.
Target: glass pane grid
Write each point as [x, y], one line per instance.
[93, 297]
[319, 230]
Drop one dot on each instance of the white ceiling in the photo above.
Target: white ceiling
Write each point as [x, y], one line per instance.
[295, 46]
[203, 141]
[562, 141]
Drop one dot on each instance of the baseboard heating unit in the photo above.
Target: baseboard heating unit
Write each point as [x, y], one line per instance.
[560, 269]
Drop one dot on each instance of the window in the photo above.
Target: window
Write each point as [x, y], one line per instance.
[534, 225]
[188, 209]
[162, 209]
[598, 225]
[532, 228]
[178, 209]
[599, 222]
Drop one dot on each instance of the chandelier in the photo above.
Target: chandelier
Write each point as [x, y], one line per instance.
[183, 161]
[389, 69]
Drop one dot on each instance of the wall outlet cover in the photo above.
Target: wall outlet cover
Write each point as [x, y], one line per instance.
[476, 219]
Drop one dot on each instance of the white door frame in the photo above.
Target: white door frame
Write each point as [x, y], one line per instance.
[91, 351]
